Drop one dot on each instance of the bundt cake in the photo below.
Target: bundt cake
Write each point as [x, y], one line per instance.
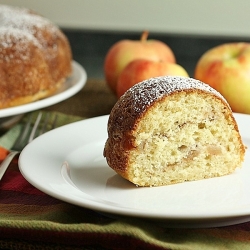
[168, 130]
[35, 56]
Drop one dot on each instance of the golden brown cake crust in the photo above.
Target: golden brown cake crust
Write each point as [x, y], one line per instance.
[139, 100]
[35, 56]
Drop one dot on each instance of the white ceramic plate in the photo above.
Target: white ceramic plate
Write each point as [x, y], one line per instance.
[90, 183]
[70, 87]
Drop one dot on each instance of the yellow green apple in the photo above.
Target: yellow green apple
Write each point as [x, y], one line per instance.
[226, 68]
[142, 69]
[125, 51]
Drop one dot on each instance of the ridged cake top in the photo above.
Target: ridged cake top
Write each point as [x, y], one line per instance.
[23, 19]
[142, 95]
[15, 45]
[17, 19]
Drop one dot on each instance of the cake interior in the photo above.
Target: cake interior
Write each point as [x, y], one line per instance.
[184, 137]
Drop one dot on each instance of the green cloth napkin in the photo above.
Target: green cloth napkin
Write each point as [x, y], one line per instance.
[30, 219]
[61, 119]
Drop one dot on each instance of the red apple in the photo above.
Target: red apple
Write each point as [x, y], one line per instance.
[125, 51]
[142, 69]
[226, 68]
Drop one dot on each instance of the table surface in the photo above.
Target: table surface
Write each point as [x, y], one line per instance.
[95, 99]
[30, 219]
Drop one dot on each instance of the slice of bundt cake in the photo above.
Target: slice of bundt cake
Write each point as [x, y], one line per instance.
[167, 130]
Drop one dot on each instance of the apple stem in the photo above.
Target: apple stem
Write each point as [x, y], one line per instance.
[144, 36]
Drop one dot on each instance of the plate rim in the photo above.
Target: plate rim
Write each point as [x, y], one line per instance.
[51, 100]
[96, 205]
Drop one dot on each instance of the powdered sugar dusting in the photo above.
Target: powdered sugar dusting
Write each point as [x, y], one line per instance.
[149, 90]
[22, 18]
[14, 19]
[137, 99]
[13, 38]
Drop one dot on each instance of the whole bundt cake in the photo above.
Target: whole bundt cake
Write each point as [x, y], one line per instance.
[35, 56]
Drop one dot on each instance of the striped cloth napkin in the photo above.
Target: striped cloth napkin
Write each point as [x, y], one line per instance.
[31, 219]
